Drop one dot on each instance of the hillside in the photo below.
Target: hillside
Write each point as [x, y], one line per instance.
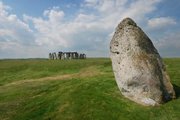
[74, 90]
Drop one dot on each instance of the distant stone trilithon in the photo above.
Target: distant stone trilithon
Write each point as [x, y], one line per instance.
[66, 55]
[138, 68]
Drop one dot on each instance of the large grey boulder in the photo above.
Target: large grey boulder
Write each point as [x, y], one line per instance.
[138, 68]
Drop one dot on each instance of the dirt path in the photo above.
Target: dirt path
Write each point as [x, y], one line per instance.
[86, 72]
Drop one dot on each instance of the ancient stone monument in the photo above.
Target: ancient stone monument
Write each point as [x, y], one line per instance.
[66, 55]
[138, 68]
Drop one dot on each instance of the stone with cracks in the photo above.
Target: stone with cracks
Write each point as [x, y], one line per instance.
[138, 68]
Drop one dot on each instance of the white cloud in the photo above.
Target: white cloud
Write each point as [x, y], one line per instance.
[140, 8]
[123, 8]
[84, 18]
[54, 14]
[16, 38]
[169, 45]
[90, 3]
[3, 8]
[10, 49]
[89, 31]
[161, 22]
[105, 6]
[12, 28]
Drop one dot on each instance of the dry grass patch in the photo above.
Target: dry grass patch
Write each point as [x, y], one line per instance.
[85, 72]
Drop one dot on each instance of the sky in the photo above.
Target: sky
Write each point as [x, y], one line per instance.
[34, 28]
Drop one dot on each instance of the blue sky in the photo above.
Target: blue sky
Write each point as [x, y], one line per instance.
[33, 28]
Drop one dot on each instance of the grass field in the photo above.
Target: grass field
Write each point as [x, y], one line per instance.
[74, 90]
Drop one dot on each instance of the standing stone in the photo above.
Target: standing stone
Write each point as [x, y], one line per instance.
[84, 56]
[50, 56]
[70, 55]
[55, 56]
[138, 68]
[81, 56]
[76, 55]
[59, 55]
[63, 56]
[66, 55]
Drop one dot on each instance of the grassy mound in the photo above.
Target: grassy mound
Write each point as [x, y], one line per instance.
[74, 90]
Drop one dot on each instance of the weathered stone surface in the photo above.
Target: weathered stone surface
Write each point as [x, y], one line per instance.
[138, 68]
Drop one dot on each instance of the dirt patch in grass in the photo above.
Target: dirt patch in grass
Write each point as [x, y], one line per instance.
[85, 72]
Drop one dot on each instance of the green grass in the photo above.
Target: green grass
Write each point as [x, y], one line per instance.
[88, 92]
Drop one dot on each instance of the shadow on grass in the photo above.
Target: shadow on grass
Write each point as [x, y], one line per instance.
[177, 90]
